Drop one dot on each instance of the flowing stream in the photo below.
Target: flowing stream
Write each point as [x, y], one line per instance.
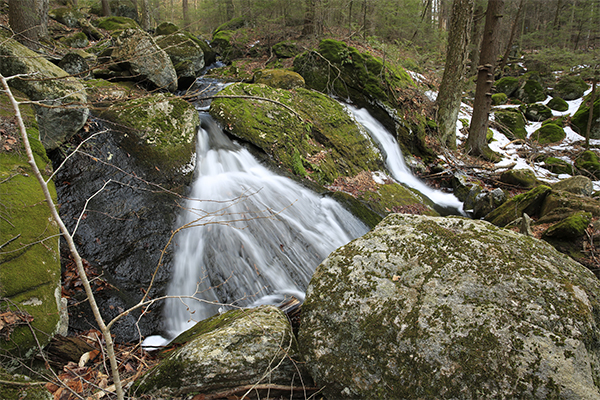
[257, 236]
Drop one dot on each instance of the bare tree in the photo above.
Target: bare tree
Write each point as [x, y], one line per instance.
[450, 93]
[482, 104]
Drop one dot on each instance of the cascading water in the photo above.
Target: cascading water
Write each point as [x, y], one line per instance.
[394, 161]
[258, 233]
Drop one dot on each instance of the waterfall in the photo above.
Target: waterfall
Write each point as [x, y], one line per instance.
[394, 161]
[259, 234]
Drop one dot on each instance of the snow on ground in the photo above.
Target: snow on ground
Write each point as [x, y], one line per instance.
[501, 145]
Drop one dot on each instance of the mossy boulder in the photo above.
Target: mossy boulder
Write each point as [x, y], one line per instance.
[579, 184]
[225, 43]
[396, 198]
[570, 87]
[432, 307]
[558, 166]
[117, 23]
[286, 49]
[507, 85]
[160, 130]
[511, 123]
[66, 16]
[77, 40]
[558, 104]
[279, 78]
[563, 200]
[136, 52]
[529, 203]
[53, 88]
[499, 98]
[538, 112]
[326, 138]
[588, 162]
[232, 25]
[166, 28]
[580, 118]
[519, 177]
[21, 387]
[30, 258]
[238, 348]
[570, 228]
[185, 54]
[548, 133]
[530, 92]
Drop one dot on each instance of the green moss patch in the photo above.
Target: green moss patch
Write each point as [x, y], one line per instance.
[511, 123]
[117, 23]
[549, 133]
[558, 104]
[323, 135]
[580, 118]
[507, 85]
[529, 203]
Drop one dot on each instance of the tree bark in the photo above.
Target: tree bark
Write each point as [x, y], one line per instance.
[105, 8]
[229, 10]
[451, 88]
[29, 20]
[309, 18]
[478, 18]
[511, 39]
[588, 130]
[482, 104]
[186, 14]
[146, 21]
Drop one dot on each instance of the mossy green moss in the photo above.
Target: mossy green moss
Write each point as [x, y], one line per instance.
[325, 136]
[29, 264]
[549, 133]
[77, 40]
[580, 118]
[499, 98]
[571, 227]
[394, 197]
[117, 23]
[588, 162]
[529, 203]
[558, 104]
[571, 87]
[511, 122]
[558, 166]
[531, 92]
[507, 85]
[166, 28]
[538, 112]
[519, 177]
[22, 389]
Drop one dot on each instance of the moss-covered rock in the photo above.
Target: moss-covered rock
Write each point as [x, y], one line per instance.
[185, 54]
[588, 162]
[579, 184]
[548, 133]
[57, 123]
[77, 40]
[430, 307]
[30, 258]
[395, 198]
[511, 123]
[519, 177]
[279, 78]
[117, 23]
[558, 104]
[570, 87]
[286, 49]
[571, 227]
[225, 43]
[326, 138]
[558, 166]
[537, 112]
[166, 28]
[21, 387]
[580, 118]
[529, 203]
[563, 200]
[66, 16]
[507, 85]
[160, 130]
[240, 347]
[499, 98]
[530, 92]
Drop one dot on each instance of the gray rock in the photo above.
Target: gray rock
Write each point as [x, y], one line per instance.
[62, 111]
[136, 52]
[186, 55]
[488, 201]
[432, 307]
[579, 184]
[240, 347]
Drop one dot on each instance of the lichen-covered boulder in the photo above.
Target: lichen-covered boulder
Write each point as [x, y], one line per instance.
[286, 49]
[65, 110]
[563, 200]
[530, 92]
[30, 289]
[238, 348]
[66, 16]
[77, 40]
[511, 123]
[570, 87]
[548, 133]
[279, 78]
[313, 137]
[580, 119]
[581, 185]
[537, 112]
[135, 51]
[186, 55]
[432, 307]
[519, 177]
[160, 129]
[488, 201]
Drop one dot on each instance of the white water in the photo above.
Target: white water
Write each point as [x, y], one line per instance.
[260, 234]
[394, 160]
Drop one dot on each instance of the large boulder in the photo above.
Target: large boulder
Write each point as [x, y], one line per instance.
[238, 348]
[30, 288]
[511, 123]
[431, 307]
[136, 52]
[62, 111]
[581, 117]
[186, 55]
[530, 92]
[570, 87]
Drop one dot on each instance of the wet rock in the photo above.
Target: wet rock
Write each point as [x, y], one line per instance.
[451, 308]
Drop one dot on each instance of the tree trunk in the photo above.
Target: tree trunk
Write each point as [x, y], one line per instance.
[451, 88]
[588, 130]
[186, 14]
[229, 10]
[476, 141]
[511, 39]
[478, 19]
[146, 21]
[105, 8]
[29, 20]
[309, 18]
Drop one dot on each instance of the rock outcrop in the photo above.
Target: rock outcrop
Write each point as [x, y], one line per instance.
[431, 307]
